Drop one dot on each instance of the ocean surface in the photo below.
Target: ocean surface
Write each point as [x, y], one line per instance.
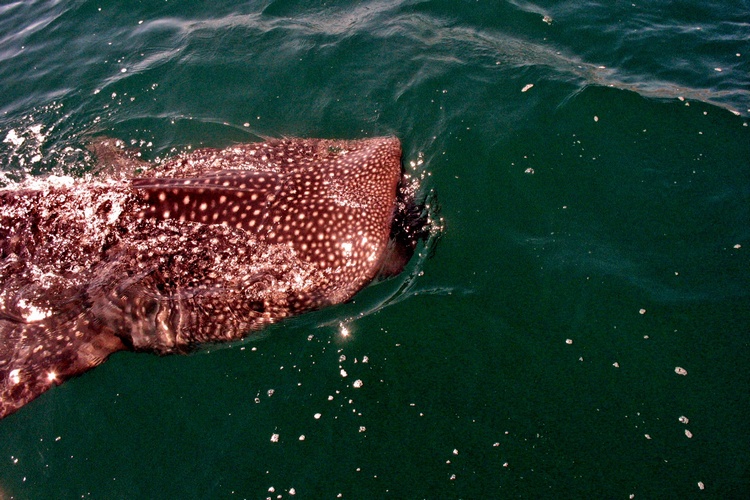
[580, 326]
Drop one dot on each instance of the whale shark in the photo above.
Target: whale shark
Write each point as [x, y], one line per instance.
[207, 246]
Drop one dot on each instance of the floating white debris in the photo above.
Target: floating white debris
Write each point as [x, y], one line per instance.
[357, 384]
[737, 246]
[529, 171]
[343, 373]
[246, 124]
[124, 70]
[362, 428]
[495, 445]
[680, 371]
[616, 364]
[455, 451]
[292, 491]
[642, 311]
[527, 87]
[302, 437]
[274, 438]
[548, 20]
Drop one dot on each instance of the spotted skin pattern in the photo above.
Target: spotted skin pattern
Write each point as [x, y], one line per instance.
[203, 248]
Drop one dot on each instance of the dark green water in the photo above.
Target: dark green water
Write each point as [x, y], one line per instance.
[597, 237]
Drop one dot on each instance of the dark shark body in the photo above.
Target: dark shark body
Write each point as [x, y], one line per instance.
[206, 248]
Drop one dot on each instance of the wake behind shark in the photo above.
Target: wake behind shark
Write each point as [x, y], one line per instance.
[207, 247]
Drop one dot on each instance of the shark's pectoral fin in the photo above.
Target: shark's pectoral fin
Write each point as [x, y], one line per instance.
[59, 350]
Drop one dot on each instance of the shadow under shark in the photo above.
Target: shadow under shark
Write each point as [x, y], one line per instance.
[204, 248]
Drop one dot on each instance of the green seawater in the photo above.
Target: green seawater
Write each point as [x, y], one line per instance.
[591, 163]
